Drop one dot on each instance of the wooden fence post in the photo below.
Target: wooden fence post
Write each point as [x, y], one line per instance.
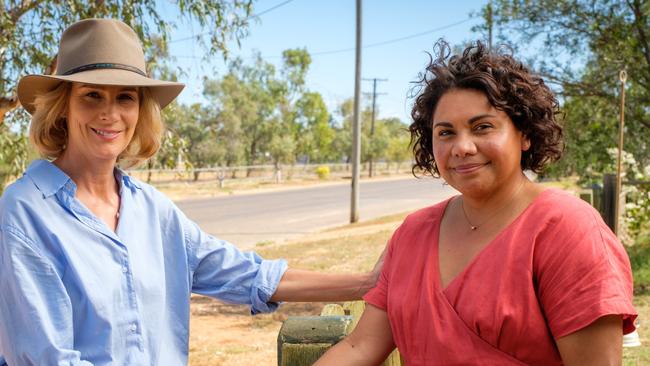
[597, 194]
[609, 201]
[303, 339]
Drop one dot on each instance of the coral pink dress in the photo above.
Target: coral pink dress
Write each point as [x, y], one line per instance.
[554, 270]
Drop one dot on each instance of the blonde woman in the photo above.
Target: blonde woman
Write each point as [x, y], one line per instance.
[95, 266]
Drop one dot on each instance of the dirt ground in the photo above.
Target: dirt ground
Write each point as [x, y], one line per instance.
[224, 334]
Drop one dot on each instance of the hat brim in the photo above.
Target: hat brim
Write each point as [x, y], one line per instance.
[164, 92]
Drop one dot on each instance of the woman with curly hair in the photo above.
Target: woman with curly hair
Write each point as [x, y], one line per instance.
[508, 272]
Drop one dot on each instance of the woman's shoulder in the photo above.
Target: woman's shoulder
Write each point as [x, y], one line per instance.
[19, 195]
[556, 204]
[559, 218]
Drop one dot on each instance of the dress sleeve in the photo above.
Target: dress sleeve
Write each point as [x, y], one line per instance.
[582, 273]
[35, 310]
[222, 271]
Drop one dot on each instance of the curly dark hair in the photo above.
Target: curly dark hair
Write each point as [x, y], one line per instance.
[509, 87]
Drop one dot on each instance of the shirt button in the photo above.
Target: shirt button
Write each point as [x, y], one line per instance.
[133, 328]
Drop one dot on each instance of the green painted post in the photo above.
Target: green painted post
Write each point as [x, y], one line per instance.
[303, 339]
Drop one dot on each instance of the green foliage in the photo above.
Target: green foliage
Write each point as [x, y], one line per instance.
[314, 134]
[582, 47]
[259, 115]
[640, 260]
[268, 116]
[14, 147]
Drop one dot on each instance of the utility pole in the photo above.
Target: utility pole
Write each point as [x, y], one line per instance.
[488, 16]
[356, 125]
[372, 121]
[622, 76]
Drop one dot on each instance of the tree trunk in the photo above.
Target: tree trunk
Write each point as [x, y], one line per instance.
[7, 104]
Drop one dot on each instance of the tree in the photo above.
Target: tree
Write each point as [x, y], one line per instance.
[270, 113]
[397, 145]
[314, 134]
[198, 132]
[244, 102]
[583, 46]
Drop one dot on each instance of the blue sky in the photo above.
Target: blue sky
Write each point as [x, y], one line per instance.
[323, 26]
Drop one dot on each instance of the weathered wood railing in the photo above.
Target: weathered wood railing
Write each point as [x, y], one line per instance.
[303, 339]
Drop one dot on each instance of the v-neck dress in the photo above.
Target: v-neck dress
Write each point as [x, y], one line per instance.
[554, 270]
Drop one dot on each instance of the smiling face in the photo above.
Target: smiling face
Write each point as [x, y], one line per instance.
[101, 121]
[476, 147]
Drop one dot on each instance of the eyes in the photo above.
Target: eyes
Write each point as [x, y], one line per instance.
[478, 128]
[123, 97]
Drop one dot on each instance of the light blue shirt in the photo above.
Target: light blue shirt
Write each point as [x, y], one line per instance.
[73, 292]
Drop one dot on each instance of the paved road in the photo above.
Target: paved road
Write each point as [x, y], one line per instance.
[276, 216]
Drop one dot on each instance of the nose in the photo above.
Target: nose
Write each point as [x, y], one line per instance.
[110, 111]
[463, 146]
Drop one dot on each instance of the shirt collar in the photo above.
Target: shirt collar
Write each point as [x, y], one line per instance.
[49, 179]
[129, 182]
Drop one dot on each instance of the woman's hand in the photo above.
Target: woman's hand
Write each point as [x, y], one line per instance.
[300, 285]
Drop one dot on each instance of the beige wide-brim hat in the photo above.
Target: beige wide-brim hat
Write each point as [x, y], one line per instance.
[100, 52]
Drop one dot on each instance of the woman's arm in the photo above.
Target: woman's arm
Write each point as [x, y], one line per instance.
[299, 285]
[369, 344]
[600, 343]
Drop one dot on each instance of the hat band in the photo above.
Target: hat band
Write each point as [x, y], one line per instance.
[105, 66]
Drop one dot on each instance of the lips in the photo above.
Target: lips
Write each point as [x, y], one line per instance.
[105, 134]
[469, 168]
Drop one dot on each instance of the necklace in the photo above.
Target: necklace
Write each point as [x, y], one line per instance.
[508, 202]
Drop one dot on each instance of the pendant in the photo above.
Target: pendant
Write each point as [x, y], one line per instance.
[474, 227]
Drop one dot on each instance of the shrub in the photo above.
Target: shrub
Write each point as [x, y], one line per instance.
[323, 172]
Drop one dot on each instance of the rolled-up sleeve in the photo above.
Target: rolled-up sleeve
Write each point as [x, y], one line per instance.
[222, 271]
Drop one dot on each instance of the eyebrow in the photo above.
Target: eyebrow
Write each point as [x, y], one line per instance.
[127, 88]
[469, 121]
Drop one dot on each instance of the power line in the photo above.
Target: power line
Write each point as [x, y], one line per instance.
[395, 40]
[271, 8]
[381, 43]
[252, 16]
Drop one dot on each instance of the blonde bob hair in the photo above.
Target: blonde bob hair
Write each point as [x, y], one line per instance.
[49, 130]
